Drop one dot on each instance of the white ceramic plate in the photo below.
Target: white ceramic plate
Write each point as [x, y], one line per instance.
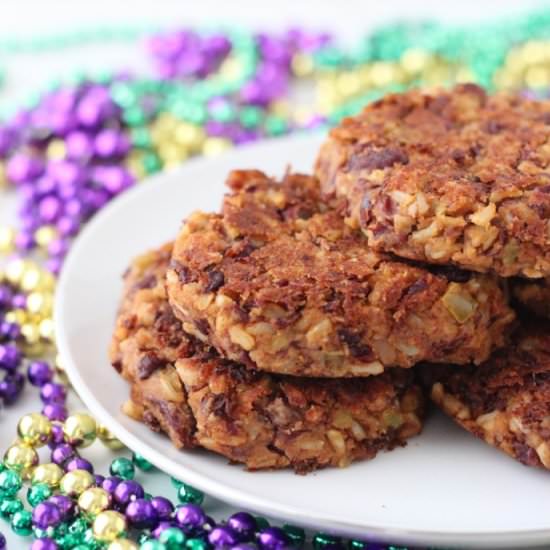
[444, 488]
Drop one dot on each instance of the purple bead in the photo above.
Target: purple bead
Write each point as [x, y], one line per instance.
[7, 141]
[244, 524]
[5, 296]
[55, 411]
[111, 483]
[244, 546]
[79, 146]
[53, 392]
[64, 504]
[223, 536]
[58, 247]
[24, 241]
[46, 514]
[44, 544]
[163, 507]
[273, 538]
[62, 453]
[127, 490]
[44, 186]
[73, 207]
[24, 168]
[2, 542]
[39, 372]
[57, 436]
[9, 331]
[11, 387]
[28, 223]
[68, 226]
[49, 209]
[79, 463]
[111, 143]
[114, 179]
[53, 265]
[66, 173]
[141, 513]
[10, 356]
[95, 107]
[190, 515]
[98, 480]
[19, 301]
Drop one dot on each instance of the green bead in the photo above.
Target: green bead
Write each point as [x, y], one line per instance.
[176, 482]
[141, 137]
[38, 493]
[261, 522]
[147, 496]
[173, 538]
[10, 506]
[21, 523]
[275, 125]
[142, 463]
[190, 111]
[296, 534]
[190, 495]
[151, 162]
[196, 544]
[2, 467]
[250, 117]
[322, 540]
[223, 113]
[152, 544]
[43, 533]
[10, 482]
[122, 467]
[357, 545]
[123, 94]
[78, 527]
[89, 542]
[134, 116]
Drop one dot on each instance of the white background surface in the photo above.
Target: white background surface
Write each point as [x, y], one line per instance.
[347, 18]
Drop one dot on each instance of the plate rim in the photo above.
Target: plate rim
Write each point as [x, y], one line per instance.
[473, 539]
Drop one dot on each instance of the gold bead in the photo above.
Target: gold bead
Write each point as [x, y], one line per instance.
[56, 149]
[18, 316]
[93, 501]
[34, 429]
[40, 302]
[189, 135]
[108, 439]
[7, 240]
[45, 235]
[3, 177]
[50, 474]
[214, 146]
[80, 430]
[35, 350]
[280, 108]
[31, 334]
[302, 65]
[31, 278]
[46, 282]
[348, 84]
[15, 269]
[109, 525]
[46, 328]
[75, 482]
[134, 163]
[231, 68]
[415, 60]
[123, 544]
[537, 76]
[21, 457]
[171, 152]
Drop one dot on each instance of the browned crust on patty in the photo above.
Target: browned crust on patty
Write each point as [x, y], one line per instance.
[505, 401]
[182, 387]
[451, 177]
[533, 295]
[279, 282]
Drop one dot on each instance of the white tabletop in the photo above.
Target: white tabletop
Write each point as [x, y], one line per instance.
[25, 72]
